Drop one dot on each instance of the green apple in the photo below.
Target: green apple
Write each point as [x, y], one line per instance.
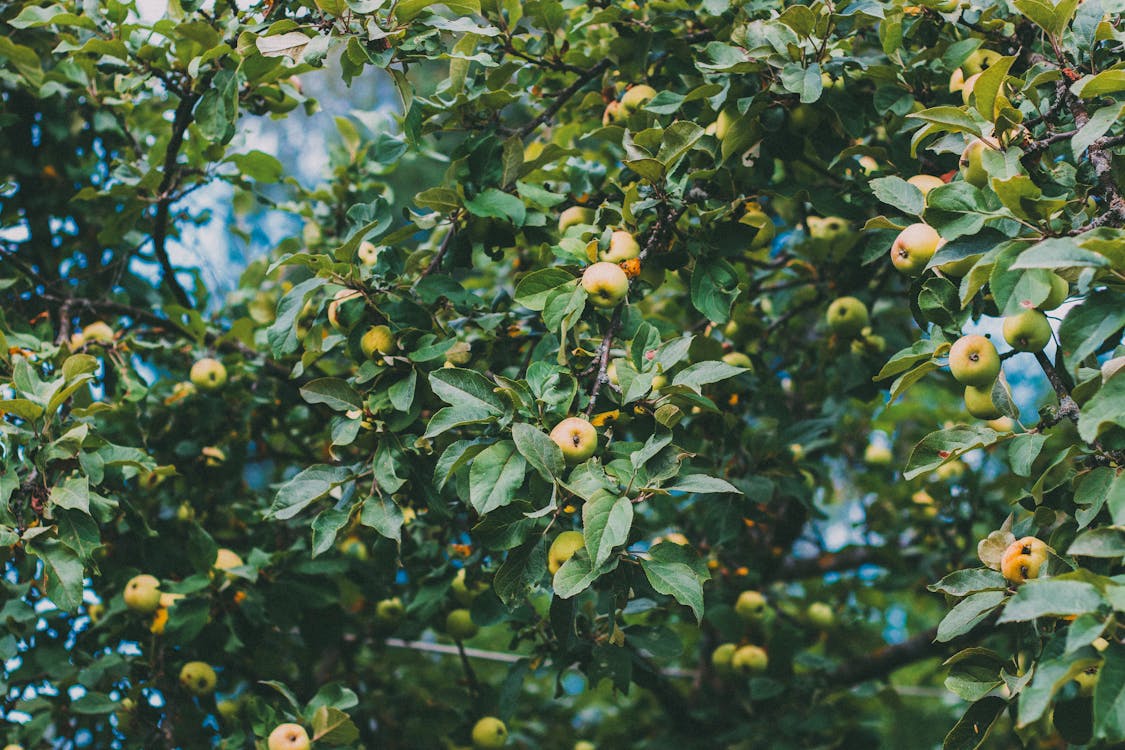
[1002, 424]
[749, 660]
[622, 246]
[972, 161]
[229, 709]
[460, 626]
[820, 615]
[573, 216]
[967, 87]
[98, 332]
[613, 113]
[584, 745]
[577, 438]
[877, 455]
[925, 182]
[636, 97]
[913, 248]
[142, 594]
[1087, 680]
[726, 118]
[377, 340]
[95, 612]
[973, 360]
[1029, 331]
[1060, 290]
[606, 284]
[389, 610]
[489, 733]
[828, 228]
[721, 658]
[354, 546]
[956, 80]
[198, 678]
[208, 374]
[367, 253]
[979, 60]
[847, 316]
[979, 403]
[463, 592]
[289, 737]
[738, 359]
[751, 606]
[563, 548]
[804, 118]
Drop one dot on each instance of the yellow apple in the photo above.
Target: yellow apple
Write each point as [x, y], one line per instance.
[751, 606]
[972, 160]
[913, 248]
[636, 97]
[925, 182]
[342, 310]
[847, 316]
[489, 733]
[460, 626]
[367, 253]
[973, 360]
[142, 594]
[377, 340]
[289, 737]
[1023, 559]
[98, 332]
[749, 660]
[577, 438]
[979, 403]
[721, 659]
[198, 678]
[208, 374]
[563, 548]
[606, 284]
[622, 246]
[573, 216]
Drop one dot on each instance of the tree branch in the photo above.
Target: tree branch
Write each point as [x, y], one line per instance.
[602, 359]
[562, 97]
[165, 195]
[882, 661]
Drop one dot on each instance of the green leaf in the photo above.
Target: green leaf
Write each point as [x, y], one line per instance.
[606, 520]
[968, 613]
[325, 527]
[988, 86]
[94, 704]
[1051, 596]
[62, 572]
[520, 571]
[1109, 694]
[1088, 325]
[897, 192]
[948, 119]
[678, 580]
[536, 288]
[1098, 125]
[541, 452]
[383, 515]
[701, 484]
[576, 575]
[494, 476]
[714, 288]
[942, 446]
[969, 581]
[305, 488]
[1103, 409]
[466, 388]
[73, 493]
[333, 392]
[1058, 252]
[704, 373]
[973, 727]
[1108, 541]
[1106, 82]
[497, 204]
[79, 532]
[333, 727]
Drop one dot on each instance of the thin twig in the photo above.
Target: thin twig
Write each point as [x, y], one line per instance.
[603, 359]
[563, 97]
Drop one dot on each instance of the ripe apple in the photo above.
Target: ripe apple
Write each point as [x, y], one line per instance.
[613, 113]
[377, 340]
[636, 97]
[390, 610]
[198, 678]
[973, 360]
[980, 60]
[751, 606]
[877, 455]
[463, 592]
[979, 403]
[367, 253]
[563, 548]
[606, 284]
[847, 316]
[460, 626]
[749, 660]
[1060, 290]
[1002, 424]
[820, 615]
[1023, 559]
[913, 248]
[13, 747]
[208, 374]
[343, 310]
[972, 160]
[289, 737]
[577, 438]
[622, 247]
[142, 594]
[573, 216]
[925, 182]
[950, 471]
[1029, 331]
[98, 332]
[721, 659]
[488, 733]
[738, 359]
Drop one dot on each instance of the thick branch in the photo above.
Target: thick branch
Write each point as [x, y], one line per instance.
[562, 97]
[882, 661]
[849, 558]
[1067, 406]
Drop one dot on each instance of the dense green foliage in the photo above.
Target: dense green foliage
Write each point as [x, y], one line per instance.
[349, 460]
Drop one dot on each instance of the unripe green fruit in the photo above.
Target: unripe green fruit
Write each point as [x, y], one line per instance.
[636, 97]
[1028, 331]
[751, 606]
[142, 594]
[574, 216]
[389, 610]
[749, 660]
[208, 374]
[377, 340]
[563, 548]
[820, 615]
[462, 592]
[721, 659]
[1060, 290]
[973, 360]
[460, 626]
[847, 316]
[738, 359]
[979, 403]
[489, 733]
[198, 678]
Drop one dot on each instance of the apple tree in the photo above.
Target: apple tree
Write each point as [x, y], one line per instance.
[596, 398]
